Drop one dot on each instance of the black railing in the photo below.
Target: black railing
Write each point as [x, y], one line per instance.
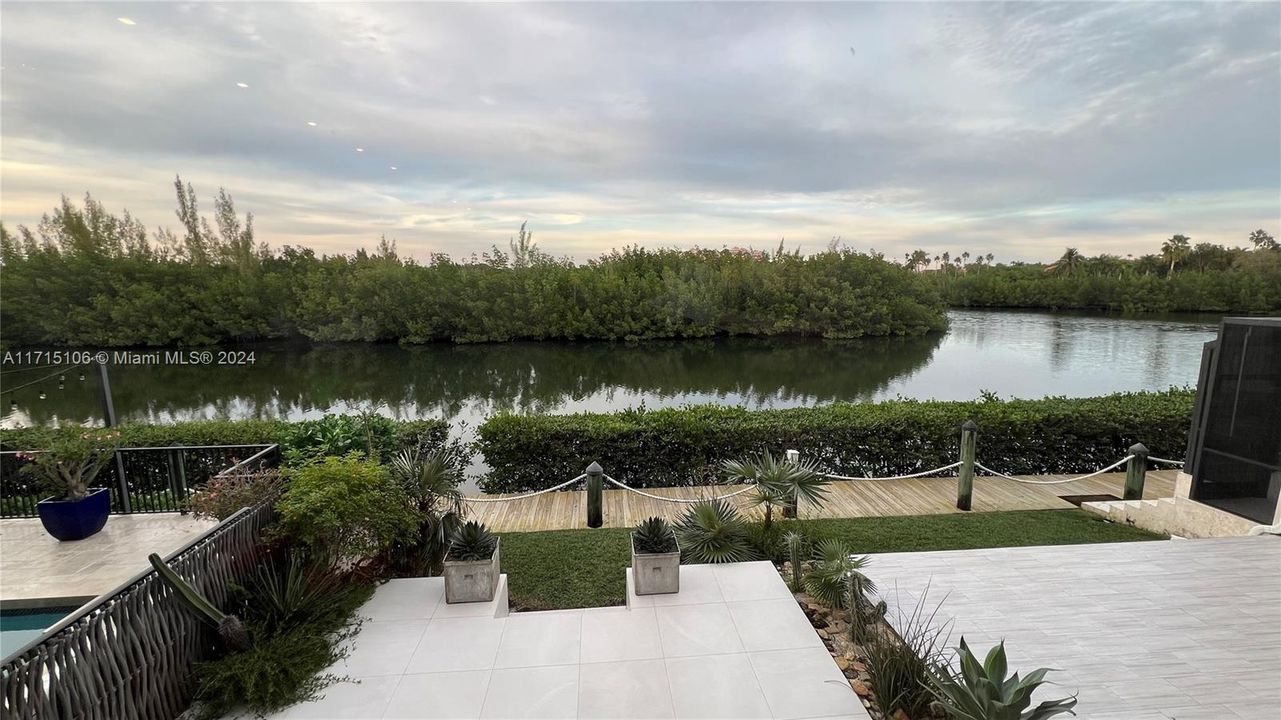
[156, 479]
[129, 653]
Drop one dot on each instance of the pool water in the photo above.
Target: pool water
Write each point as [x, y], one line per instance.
[19, 627]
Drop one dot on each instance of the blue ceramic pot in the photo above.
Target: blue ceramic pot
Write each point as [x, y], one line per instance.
[75, 519]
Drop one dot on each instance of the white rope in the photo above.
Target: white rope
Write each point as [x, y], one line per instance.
[1163, 460]
[896, 477]
[677, 500]
[527, 495]
[1025, 481]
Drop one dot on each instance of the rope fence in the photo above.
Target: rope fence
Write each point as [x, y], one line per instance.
[923, 473]
[567, 483]
[1136, 463]
[1026, 481]
[678, 500]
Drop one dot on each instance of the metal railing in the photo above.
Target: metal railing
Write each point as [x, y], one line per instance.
[130, 652]
[156, 479]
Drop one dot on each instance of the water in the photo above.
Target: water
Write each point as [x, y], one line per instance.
[1014, 354]
[19, 627]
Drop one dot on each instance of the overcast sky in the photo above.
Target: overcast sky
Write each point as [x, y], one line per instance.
[1016, 129]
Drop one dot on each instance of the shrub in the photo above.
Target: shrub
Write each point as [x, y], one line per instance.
[981, 691]
[223, 495]
[430, 480]
[901, 667]
[713, 532]
[686, 446]
[345, 507]
[828, 580]
[284, 666]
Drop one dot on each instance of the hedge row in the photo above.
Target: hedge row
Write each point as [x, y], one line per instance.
[431, 433]
[685, 446]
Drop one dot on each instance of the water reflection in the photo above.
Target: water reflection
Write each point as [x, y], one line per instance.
[1015, 354]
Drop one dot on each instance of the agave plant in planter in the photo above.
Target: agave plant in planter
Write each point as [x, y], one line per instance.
[656, 558]
[472, 565]
[981, 691]
[68, 468]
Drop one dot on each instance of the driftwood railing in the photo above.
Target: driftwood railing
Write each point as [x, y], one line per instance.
[129, 653]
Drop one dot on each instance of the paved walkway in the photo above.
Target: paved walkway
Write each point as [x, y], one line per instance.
[848, 498]
[1184, 630]
[34, 567]
[732, 643]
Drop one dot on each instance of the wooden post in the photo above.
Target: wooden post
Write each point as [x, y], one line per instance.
[595, 496]
[789, 510]
[965, 475]
[1136, 471]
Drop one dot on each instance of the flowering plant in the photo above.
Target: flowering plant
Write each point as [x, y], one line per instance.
[70, 463]
[222, 495]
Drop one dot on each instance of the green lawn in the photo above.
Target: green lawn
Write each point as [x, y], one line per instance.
[586, 568]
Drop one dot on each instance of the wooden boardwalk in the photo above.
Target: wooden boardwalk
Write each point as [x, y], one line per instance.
[848, 498]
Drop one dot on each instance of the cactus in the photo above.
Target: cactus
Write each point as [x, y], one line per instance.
[795, 546]
[654, 536]
[230, 629]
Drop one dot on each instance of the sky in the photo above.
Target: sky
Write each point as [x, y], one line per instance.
[1015, 129]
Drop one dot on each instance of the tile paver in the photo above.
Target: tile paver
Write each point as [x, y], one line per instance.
[695, 655]
[34, 566]
[1139, 629]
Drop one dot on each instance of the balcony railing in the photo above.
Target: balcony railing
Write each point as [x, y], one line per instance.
[155, 479]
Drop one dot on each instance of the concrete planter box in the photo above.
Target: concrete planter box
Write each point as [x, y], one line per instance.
[656, 573]
[472, 580]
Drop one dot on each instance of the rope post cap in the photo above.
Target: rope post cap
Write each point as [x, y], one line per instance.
[969, 425]
[1139, 449]
[595, 468]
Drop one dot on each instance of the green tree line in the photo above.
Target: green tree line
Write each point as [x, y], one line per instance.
[1182, 277]
[87, 277]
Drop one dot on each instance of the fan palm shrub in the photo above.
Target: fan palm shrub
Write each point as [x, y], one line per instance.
[430, 480]
[982, 691]
[832, 570]
[713, 532]
[779, 482]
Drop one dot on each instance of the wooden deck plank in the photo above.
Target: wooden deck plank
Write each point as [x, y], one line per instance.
[848, 498]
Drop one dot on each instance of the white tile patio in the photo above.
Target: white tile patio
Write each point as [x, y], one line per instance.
[732, 644]
[37, 570]
[1142, 631]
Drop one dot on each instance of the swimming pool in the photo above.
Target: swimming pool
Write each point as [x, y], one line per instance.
[19, 627]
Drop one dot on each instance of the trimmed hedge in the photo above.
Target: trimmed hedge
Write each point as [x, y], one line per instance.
[431, 433]
[685, 446]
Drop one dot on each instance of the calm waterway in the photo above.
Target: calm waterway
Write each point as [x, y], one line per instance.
[1014, 354]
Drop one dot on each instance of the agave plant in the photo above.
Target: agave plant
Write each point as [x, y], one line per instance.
[713, 532]
[230, 628]
[654, 537]
[779, 483]
[291, 592]
[833, 569]
[983, 692]
[472, 541]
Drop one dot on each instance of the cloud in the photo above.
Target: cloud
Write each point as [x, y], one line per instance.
[1012, 127]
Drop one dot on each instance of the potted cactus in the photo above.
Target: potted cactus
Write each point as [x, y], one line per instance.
[472, 564]
[75, 510]
[656, 558]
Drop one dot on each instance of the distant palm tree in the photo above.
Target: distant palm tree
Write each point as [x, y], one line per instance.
[990, 258]
[1069, 262]
[1175, 250]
